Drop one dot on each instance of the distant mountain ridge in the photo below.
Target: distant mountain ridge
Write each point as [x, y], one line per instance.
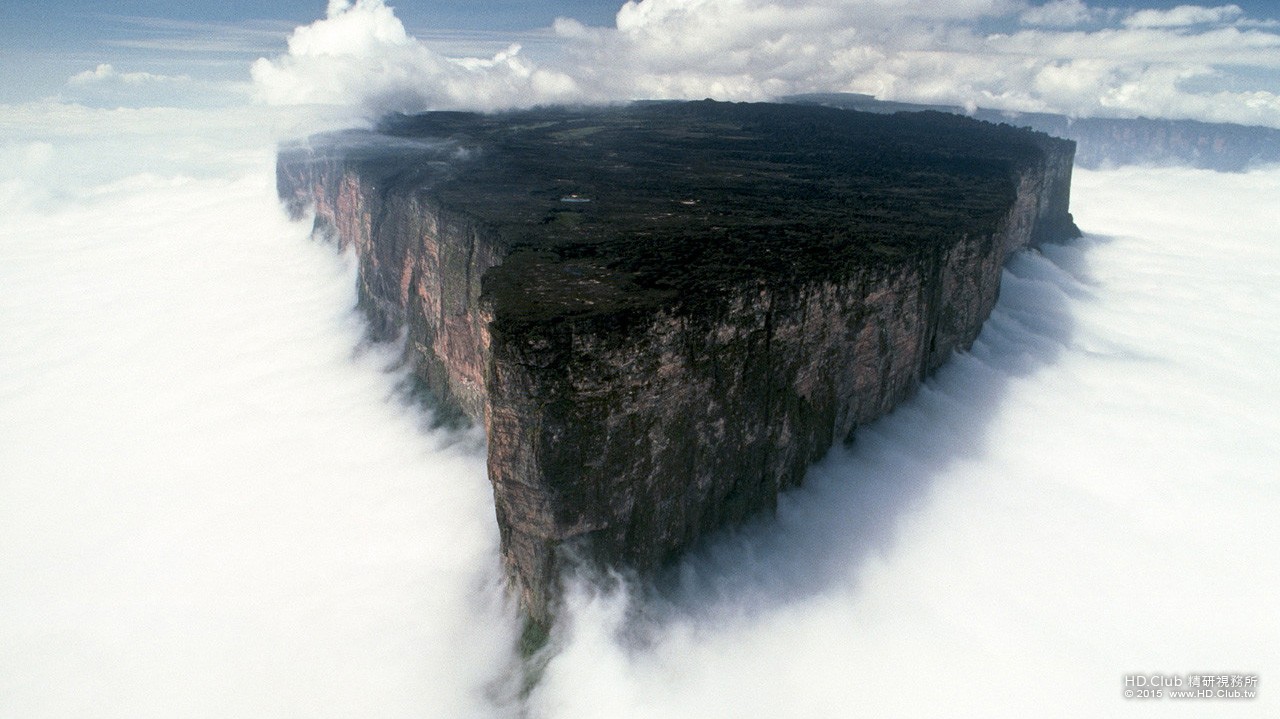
[1107, 142]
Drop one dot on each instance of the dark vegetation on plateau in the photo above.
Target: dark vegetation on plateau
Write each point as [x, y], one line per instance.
[665, 312]
[606, 211]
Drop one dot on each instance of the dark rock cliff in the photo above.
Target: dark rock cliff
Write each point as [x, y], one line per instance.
[664, 313]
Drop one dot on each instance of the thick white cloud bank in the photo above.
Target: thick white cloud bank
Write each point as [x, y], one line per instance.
[1196, 62]
[361, 56]
[212, 503]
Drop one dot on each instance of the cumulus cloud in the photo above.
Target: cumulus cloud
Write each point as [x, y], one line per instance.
[360, 56]
[1146, 63]
[750, 50]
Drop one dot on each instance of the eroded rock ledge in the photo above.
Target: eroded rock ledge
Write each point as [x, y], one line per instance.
[663, 313]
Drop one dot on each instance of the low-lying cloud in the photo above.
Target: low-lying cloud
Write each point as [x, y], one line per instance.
[214, 501]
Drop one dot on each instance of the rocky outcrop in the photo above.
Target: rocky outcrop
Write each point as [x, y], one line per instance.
[663, 314]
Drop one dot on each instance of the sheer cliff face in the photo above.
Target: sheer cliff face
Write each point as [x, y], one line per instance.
[647, 438]
[420, 269]
[628, 434]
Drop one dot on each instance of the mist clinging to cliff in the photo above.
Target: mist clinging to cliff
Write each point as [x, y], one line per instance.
[213, 502]
[1087, 493]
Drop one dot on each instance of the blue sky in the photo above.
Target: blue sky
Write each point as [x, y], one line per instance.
[1103, 61]
[78, 16]
[43, 44]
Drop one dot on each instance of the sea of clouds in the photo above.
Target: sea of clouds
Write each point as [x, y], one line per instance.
[216, 501]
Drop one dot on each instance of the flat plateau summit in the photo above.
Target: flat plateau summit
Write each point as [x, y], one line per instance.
[662, 313]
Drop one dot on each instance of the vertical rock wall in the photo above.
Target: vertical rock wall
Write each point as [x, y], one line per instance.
[636, 443]
[634, 439]
[420, 267]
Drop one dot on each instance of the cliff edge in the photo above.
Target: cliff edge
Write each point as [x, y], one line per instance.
[664, 312]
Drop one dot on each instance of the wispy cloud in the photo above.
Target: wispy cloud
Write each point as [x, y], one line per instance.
[182, 533]
[1185, 16]
[1061, 13]
[106, 86]
[189, 36]
[105, 73]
